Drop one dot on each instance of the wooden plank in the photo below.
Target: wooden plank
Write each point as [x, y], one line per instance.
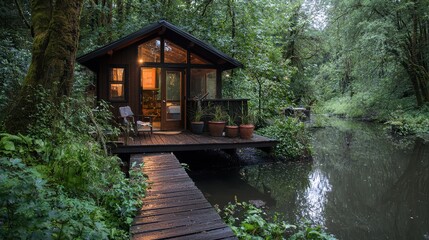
[174, 199]
[190, 192]
[221, 233]
[179, 231]
[176, 222]
[189, 208]
[172, 216]
[174, 207]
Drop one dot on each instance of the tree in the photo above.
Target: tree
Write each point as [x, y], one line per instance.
[370, 41]
[55, 29]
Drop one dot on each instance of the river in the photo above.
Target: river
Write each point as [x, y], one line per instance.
[362, 183]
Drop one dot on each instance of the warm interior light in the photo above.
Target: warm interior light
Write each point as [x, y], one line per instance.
[140, 60]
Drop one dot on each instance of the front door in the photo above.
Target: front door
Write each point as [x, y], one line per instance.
[162, 97]
[172, 104]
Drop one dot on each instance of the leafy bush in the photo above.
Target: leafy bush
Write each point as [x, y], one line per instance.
[31, 208]
[409, 122]
[294, 142]
[61, 183]
[126, 196]
[249, 222]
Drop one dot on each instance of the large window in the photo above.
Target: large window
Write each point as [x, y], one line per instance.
[203, 81]
[150, 51]
[117, 81]
[174, 53]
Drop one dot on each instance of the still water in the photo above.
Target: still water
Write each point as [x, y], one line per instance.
[362, 184]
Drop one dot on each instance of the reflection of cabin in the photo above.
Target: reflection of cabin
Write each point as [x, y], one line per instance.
[157, 71]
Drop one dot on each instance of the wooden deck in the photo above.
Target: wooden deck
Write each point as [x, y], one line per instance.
[187, 141]
[174, 207]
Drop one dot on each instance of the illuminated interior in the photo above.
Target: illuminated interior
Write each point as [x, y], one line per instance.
[202, 81]
[116, 84]
[150, 51]
[151, 96]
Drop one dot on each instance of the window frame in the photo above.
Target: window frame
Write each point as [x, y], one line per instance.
[211, 71]
[124, 82]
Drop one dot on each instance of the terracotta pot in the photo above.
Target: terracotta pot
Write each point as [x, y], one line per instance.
[216, 128]
[197, 127]
[246, 131]
[231, 131]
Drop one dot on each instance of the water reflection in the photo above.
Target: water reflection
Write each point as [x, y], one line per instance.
[315, 197]
[361, 185]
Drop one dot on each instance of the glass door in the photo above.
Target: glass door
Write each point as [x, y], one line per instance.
[172, 106]
[150, 95]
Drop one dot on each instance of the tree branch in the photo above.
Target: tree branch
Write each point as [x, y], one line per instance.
[21, 13]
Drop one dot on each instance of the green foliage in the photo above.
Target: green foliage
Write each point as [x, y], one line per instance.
[218, 114]
[410, 122]
[14, 64]
[366, 71]
[294, 142]
[78, 197]
[32, 208]
[126, 196]
[83, 185]
[248, 118]
[250, 222]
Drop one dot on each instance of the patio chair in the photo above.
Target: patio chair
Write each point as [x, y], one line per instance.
[130, 121]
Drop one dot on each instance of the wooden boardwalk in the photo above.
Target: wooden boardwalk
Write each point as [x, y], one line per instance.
[186, 141]
[174, 208]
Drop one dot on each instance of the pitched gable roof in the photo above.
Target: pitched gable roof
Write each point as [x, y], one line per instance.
[172, 33]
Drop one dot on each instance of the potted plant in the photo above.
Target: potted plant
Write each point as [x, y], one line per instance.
[197, 126]
[231, 129]
[246, 126]
[217, 124]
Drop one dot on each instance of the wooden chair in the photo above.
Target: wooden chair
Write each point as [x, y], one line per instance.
[131, 122]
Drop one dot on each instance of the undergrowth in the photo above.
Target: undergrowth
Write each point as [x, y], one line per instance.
[250, 222]
[293, 137]
[401, 115]
[59, 182]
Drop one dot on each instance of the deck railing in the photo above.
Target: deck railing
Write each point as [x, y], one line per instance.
[234, 107]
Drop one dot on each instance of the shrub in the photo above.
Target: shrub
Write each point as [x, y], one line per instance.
[294, 141]
[61, 183]
[409, 122]
[250, 222]
[30, 208]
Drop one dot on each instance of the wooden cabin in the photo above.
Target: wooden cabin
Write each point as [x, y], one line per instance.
[157, 71]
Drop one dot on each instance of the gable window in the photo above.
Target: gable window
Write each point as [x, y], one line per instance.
[173, 53]
[117, 79]
[195, 59]
[150, 51]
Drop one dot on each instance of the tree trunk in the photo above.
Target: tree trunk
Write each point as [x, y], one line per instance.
[55, 27]
[416, 62]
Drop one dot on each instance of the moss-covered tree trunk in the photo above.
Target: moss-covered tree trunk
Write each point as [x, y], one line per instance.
[55, 28]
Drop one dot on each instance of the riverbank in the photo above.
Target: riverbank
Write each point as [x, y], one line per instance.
[402, 116]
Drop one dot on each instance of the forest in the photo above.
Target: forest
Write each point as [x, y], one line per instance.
[360, 59]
